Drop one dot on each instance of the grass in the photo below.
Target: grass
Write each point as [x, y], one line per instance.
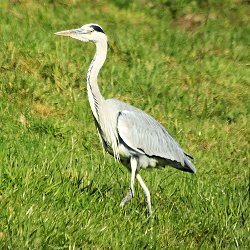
[187, 64]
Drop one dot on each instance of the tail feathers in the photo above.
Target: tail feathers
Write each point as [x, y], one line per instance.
[188, 155]
[189, 166]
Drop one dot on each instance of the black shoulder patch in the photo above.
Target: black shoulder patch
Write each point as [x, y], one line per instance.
[97, 28]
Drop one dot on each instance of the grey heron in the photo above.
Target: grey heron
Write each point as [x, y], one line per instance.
[132, 136]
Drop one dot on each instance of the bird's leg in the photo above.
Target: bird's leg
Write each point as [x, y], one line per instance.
[130, 194]
[133, 163]
[146, 192]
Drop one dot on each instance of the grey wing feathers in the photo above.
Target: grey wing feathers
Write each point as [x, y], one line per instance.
[144, 134]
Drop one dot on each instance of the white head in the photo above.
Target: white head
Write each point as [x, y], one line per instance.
[88, 32]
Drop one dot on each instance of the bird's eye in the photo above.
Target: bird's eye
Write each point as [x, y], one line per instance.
[92, 30]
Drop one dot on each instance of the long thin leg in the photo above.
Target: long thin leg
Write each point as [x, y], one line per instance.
[130, 194]
[146, 192]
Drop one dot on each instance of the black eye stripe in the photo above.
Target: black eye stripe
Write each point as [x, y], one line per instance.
[97, 28]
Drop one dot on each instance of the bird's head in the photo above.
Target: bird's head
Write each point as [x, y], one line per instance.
[88, 32]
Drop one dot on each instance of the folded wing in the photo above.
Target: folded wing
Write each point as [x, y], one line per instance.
[144, 134]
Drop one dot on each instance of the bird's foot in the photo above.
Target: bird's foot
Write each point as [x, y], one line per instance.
[128, 197]
[149, 209]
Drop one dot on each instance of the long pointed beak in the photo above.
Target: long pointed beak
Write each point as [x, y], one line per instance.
[75, 33]
[64, 33]
[68, 32]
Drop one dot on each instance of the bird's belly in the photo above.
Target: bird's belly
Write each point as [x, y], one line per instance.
[147, 162]
[144, 161]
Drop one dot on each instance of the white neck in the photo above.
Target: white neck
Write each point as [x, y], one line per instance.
[94, 94]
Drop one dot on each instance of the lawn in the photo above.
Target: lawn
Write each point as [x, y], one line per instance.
[184, 62]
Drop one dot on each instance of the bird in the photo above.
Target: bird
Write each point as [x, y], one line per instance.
[129, 134]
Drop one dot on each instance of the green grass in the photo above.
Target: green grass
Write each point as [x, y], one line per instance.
[187, 64]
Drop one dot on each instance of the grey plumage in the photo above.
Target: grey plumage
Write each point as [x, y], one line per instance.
[128, 133]
[143, 137]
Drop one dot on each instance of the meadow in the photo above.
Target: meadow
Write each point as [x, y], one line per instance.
[184, 62]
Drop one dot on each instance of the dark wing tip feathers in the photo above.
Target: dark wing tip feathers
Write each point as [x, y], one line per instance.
[97, 28]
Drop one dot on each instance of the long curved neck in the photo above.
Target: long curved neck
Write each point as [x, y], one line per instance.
[94, 94]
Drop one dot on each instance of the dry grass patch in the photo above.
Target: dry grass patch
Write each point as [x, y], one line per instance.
[42, 109]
